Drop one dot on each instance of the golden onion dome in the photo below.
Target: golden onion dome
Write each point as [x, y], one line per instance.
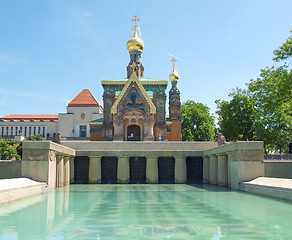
[135, 43]
[174, 75]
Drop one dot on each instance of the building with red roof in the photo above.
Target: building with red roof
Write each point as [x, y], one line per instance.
[73, 125]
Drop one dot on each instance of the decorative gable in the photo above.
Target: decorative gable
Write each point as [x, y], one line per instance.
[133, 94]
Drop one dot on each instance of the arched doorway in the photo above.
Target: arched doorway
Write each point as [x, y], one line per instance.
[133, 133]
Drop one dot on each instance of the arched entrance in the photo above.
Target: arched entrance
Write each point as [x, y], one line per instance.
[133, 133]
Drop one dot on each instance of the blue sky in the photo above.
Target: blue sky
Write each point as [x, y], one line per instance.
[51, 50]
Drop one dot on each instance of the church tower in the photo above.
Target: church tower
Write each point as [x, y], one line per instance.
[135, 46]
[134, 107]
[174, 105]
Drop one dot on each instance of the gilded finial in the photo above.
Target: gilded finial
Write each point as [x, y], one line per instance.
[136, 27]
[174, 75]
[135, 43]
[173, 65]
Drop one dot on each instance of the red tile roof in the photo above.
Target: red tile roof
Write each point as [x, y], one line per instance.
[84, 98]
[17, 118]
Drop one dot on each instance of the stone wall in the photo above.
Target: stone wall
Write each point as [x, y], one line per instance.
[230, 164]
[10, 169]
[278, 169]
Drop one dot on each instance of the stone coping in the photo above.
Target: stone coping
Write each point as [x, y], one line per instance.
[14, 183]
[282, 183]
[138, 146]
[18, 188]
[138, 153]
[277, 161]
[240, 145]
[48, 145]
[272, 187]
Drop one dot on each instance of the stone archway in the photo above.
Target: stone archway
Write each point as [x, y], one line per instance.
[133, 133]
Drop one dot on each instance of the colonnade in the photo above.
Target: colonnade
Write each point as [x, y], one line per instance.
[123, 169]
[216, 169]
[64, 170]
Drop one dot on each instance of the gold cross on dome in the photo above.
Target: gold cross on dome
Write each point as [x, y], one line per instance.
[173, 63]
[135, 20]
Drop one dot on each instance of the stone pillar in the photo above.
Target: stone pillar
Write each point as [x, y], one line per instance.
[72, 175]
[180, 170]
[152, 170]
[94, 175]
[123, 175]
[60, 171]
[222, 169]
[66, 171]
[229, 156]
[213, 169]
[206, 169]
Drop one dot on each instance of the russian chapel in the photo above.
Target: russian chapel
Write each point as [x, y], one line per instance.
[135, 107]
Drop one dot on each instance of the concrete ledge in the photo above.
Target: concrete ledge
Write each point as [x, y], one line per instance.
[48, 145]
[17, 188]
[273, 187]
[143, 148]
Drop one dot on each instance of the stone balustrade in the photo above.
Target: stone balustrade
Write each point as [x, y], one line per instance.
[48, 162]
[230, 164]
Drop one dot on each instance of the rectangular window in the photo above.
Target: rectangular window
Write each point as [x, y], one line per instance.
[2, 133]
[34, 130]
[25, 131]
[7, 131]
[44, 131]
[82, 131]
[16, 129]
[29, 131]
[39, 132]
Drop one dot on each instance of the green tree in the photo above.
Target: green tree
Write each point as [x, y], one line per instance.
[8, 150]
[237, 117]
[197, 122]
[272, 92]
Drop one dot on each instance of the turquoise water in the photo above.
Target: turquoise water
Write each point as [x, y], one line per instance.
[126, 212]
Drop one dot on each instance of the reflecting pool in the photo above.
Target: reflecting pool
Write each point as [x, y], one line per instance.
[147, 211]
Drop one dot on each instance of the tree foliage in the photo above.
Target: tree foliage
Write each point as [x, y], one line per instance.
[264, 111]
[197, 122]
[8, 150]
[237, 117]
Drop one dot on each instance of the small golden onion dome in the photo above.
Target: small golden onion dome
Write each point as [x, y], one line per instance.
[135, 43]
[174, 75]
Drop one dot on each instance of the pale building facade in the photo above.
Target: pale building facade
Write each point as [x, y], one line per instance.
[71, 125]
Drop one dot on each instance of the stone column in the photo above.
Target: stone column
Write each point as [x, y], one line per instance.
[222, 169]
[180, 170]
[60, 171]
[66, 171]
[213, 169]
[206, 169]
[94, 175]
[123, 175]
[229, 156]
[152, 170]
[72, 175]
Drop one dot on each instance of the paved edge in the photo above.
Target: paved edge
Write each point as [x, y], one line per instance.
[273, 187]
[18, 188]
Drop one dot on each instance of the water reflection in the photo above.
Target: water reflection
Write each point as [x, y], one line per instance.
[146, 212]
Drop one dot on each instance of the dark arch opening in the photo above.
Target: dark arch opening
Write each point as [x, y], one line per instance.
[133, 133]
